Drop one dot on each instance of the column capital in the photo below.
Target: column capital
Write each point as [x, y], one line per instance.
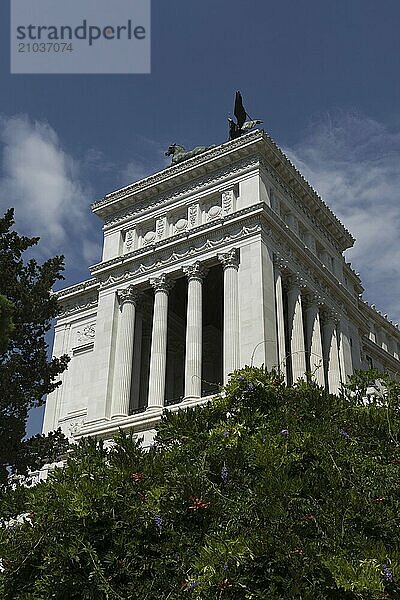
[128, 295]
[330, 316]
[280, 263]
[195, 271]
[313, 300]
[294, 282]
[229, 259]
[161, 283]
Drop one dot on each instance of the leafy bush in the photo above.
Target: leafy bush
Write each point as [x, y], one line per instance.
[265, 492]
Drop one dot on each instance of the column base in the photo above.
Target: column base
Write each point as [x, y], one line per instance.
[154, 409]
[188, 399]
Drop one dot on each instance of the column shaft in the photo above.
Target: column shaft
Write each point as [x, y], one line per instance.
[193, 354]
[314, 342]
[231, 349]
[331, 352]
[124, 353]
[158, 356]
[345, 355]
[280, 324]
[297, 345]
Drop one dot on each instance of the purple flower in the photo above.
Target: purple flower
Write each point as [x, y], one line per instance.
[250, 387]
[192, 585]
[284, 432]
[224, 474]
[158, 522]
[226, 433]
[387, 573]
[241, 378]
[344, 434]
[225, 567]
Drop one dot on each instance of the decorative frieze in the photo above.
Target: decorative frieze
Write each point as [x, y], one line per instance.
[228, 201]
[194, 215]
[130, 240]
[214, 212]
[87, 333]
[183, 190]
[161, 228]
[149, 238]
[187, 249]
[180, 226]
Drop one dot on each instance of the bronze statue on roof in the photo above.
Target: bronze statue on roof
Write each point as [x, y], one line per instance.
[241, 126]
[236, 129]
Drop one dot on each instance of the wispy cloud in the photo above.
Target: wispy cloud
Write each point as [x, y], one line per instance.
[43, 183]
[354, 164]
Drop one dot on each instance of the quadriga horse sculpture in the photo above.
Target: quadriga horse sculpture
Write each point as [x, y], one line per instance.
[179, 153]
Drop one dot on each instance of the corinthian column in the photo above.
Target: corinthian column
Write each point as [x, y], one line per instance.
[195, 274]
[296, 331]
[231, 350]
[158, 356]
[331, 353]
[314, 339]
[280, 320]
[128, 299]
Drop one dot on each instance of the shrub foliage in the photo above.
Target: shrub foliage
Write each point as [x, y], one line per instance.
[268, 491]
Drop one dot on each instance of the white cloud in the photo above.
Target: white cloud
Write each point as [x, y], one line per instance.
[43, 183]
[354, 164]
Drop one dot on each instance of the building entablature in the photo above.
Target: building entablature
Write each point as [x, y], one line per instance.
[387, 359]
[200, 236]
[353, 278]
[381, 331]
[77, 299]
[173, 180]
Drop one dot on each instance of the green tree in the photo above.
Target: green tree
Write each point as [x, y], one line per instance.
[6, 323]
[27, 307]
[266, 492]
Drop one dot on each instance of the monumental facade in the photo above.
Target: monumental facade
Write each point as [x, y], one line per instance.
[226, 259]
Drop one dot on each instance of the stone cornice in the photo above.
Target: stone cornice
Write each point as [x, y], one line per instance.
[176, 174]
[146, 206]
[388, 359]
[303, 191]
[379, 319]
[78, 289]
[194, 173]
[295, 259]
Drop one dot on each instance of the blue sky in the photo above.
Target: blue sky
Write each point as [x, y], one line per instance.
[323, 76]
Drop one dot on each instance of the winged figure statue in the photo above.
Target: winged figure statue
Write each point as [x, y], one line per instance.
[241, 126]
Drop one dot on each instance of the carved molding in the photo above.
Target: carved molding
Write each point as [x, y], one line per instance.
[71, 307]
[228, 201]
[207, 156]
[179, 237]
[183, 190]
[87, 333]
[188, 249]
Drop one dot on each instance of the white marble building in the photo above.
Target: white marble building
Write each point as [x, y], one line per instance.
[226, 259]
